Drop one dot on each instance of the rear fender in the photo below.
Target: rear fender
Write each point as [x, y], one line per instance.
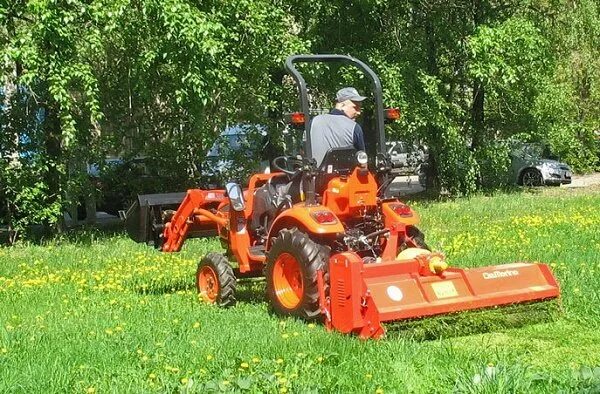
[302, 216]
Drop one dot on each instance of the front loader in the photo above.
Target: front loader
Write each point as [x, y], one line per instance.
[331, 246]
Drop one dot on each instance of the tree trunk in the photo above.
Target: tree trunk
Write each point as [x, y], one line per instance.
[52, 145]
[431, 170]
[477, 107]
[477, 115]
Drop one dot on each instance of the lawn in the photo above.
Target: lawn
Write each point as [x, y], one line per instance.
[94, 313]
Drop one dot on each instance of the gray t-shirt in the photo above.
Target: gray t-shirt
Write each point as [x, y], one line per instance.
[334, 130]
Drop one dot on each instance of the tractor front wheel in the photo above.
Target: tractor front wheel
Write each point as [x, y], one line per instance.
[291, 274]
[215, 280]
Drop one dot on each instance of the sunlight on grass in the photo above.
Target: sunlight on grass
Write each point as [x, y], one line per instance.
[93, 314]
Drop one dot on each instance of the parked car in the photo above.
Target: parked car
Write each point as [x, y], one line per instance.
[406, 157]
[238, 151]
[533, 165]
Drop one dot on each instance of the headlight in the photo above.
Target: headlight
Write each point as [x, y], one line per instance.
[361, 157]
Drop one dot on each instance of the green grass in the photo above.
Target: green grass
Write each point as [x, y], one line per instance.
[103, 314]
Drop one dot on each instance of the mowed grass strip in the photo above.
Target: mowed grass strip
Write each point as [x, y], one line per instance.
[103, 314]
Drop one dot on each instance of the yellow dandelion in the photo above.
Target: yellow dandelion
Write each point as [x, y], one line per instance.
[368, 376]
[244, 365]
[152, 376]
[226, 382]
[255, 359]
[90, 390]
[283, 390]
[285, 336]
[311, 325]
[196, 325]
[184, 381]
[108, 331]
[320, 359]
[209, 357]
[282, 380]
[279, 361]
[379, 391]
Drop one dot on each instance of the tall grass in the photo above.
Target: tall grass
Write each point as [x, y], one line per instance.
[102, 314]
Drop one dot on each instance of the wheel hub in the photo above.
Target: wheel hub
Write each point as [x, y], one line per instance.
[287, 281]
[208, 284]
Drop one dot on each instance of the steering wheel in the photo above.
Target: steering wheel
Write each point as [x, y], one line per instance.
[283, 163]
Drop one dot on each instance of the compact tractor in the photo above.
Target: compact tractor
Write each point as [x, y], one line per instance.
[329, 243]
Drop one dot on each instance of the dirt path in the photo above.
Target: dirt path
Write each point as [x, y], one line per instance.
[585, 180]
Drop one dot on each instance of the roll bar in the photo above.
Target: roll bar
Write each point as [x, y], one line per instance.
[290, 65]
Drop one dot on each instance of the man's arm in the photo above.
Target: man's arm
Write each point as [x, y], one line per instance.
[358, 138]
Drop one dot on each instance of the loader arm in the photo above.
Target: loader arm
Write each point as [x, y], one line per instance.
[190, 212]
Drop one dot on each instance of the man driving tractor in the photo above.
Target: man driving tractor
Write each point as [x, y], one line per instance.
[338, 128]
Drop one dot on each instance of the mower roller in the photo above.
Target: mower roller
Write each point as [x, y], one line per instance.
[331, 246]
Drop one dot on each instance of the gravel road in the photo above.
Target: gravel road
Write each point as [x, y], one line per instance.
[585, 180]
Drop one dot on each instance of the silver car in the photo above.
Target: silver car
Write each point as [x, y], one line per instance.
[530, 167]
[405, 157]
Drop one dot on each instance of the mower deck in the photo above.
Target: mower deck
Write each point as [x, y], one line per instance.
[381, 292]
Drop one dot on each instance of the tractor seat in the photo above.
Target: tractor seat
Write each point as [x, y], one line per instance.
[337, 162]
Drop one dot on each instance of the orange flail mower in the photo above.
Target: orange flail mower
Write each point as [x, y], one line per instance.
[331, 246]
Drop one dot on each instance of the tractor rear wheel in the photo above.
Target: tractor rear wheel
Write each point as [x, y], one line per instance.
[417, 236]
[215, 280]
[291, 274]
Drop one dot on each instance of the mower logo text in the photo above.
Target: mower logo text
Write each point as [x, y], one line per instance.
[500, 274]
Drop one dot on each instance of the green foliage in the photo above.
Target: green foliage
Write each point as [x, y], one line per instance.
[494, 159]
[152, 79]
[511, 60]
[162, 79]
[457, 167]
[25, 195]
[26, 198]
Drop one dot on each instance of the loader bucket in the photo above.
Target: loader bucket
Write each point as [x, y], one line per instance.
[363, 296]
[146, 211]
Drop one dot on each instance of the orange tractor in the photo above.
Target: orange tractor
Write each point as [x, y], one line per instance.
[330, 245]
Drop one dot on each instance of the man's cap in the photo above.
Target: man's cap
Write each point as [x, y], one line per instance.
[348, 94]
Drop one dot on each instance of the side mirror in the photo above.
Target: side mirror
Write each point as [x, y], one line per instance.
[236, 196]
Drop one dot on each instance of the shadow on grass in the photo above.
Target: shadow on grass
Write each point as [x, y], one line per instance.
[475, 322]
[251, 290]
[167, 288]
